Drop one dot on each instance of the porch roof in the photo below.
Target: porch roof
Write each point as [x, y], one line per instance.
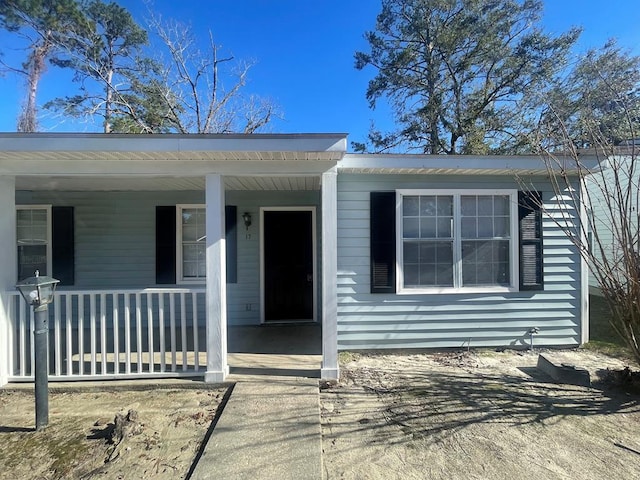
[74, 161]
[91, 147]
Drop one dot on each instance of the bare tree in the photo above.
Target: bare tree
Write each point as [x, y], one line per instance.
[201, 91]
[609, 241]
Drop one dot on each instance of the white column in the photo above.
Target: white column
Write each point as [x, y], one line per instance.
[8, 268]
[329, 370]
[217, 367]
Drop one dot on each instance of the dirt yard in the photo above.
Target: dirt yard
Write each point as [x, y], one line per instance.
[159, 441]
[479, 415]
[485, 415]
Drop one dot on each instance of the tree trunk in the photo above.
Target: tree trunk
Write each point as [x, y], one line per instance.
[28, 118]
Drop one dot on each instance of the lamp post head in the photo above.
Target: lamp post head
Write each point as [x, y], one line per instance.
[38, 291]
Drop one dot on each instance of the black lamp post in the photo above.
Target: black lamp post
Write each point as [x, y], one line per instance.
[38, 293]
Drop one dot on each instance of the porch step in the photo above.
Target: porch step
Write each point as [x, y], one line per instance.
[269, 429]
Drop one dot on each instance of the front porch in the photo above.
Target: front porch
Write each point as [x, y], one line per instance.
[143, 295]
[151, 333]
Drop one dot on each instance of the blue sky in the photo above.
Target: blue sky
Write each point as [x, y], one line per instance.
[303, 54]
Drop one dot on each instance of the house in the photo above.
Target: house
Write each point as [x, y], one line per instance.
[162, 242]
[613, 200]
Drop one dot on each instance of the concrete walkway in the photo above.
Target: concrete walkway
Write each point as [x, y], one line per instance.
[269, 429]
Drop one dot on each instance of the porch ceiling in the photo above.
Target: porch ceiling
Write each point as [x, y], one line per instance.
[135, 183]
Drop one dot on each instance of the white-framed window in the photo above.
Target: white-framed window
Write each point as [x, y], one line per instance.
[457, 241]
[191, 243]
[33, 240]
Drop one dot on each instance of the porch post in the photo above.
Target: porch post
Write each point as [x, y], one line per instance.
[217, 368]
[329, 193]
[8, 268]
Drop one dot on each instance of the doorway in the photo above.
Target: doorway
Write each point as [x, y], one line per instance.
[288, 264]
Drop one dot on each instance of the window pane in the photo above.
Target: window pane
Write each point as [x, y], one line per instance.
[501, 273]
[30, 259]
[444, 275]
[445, 206]
[191, 252]
[469, 227]
[190, 270]
[444, 253]
[485, 205]
[410, 252]
[427, 252]
[484, 252]
[484, 275]
[444, 227]
[501, 205]
[23, 217]
[468, 205]
[501, 251]
[410, 227]
[501, 227]
[469, 252]
[428, 206]
[410, 206]
[189, 233]
[485, 227]
[411, 275]
[428, 228]
[428, 274]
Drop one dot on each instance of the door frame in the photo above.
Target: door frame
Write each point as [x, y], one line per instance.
[314, 253]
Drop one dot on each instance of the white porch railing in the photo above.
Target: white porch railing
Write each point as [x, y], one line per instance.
[97, 334]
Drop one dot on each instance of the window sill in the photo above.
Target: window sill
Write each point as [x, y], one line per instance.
[453, 291]
[197, 281]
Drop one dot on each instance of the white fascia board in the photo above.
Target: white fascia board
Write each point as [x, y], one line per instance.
[76, 142]
[508, 164]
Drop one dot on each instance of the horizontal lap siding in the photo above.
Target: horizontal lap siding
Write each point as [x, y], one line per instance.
[115, 239]
[377, 321]
[114, 233]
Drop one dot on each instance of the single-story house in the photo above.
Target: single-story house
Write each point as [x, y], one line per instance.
[162, 242]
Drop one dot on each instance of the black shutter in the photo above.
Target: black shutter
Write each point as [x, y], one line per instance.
[530, 249]
[231, 242]
[165, 245]
[383, 242]
[62, 245]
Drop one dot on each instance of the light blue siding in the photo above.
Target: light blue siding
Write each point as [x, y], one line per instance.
[616, 177]
[115, 239]
[376, 321]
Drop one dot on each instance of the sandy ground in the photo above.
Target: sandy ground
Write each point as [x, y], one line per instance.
[484, 415]
[478, 415]
[161, 444]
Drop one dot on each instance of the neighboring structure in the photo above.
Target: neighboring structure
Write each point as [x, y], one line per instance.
[162, 241]
[613, 200]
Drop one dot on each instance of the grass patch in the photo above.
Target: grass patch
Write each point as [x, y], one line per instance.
[347, 356]
[602, 337]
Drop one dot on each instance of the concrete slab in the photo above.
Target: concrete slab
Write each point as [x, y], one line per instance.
[563, 372]
[269, 429]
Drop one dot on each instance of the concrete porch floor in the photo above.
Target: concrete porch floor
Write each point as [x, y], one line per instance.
[291, 350]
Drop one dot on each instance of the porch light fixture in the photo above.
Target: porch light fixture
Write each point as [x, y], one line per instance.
[38, 292]
[246, 217]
